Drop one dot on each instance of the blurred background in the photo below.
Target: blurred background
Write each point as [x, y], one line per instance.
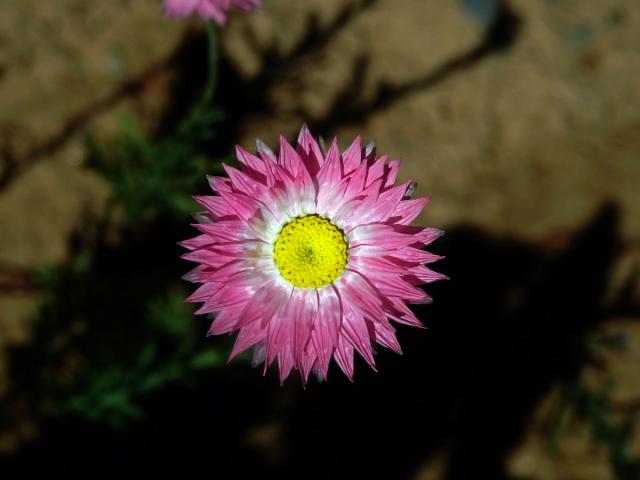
[521, 118]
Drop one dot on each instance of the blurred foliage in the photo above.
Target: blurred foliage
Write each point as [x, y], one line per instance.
[149, 178]
[153, 178]
[101, 343]
[580, 402]
[113, 324]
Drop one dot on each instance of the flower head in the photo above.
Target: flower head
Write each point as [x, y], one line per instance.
[208, 9]
[310, 256]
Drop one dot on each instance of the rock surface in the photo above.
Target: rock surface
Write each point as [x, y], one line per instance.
[65, 66]
[526, 138]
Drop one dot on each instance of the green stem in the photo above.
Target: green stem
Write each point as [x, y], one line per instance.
[212, 65]
[204, 102]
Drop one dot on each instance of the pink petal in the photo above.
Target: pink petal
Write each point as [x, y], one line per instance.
[226, 321]
[386, 337]
[427, 275]
[352, 156]
[354, 328]
[290, 159]
[376, 171]
[244, 183]
[198, 242]
[205, 257]
[286, 361]
[264, 304]
[330, 172]
[247, 337]
[356, 180]
[405, 315]
[197, 275]
[215, 205]
[413, 255]
[395, 286]
[204, 292]
[304, 328]
[408, 210]
[392, 172]
[266, 154]
[310, 151]
[344, 357]
[326, 327]
[221, 299]
[360, 295]
[309, 361]
[303, 323]
[250, 161]
[180, 8]
[219, 184]
[226, 231]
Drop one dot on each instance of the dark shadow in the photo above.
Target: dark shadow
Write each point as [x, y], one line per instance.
[190, 63]
[244, 98]
[348, 108]
[12, 167]
[509, 325]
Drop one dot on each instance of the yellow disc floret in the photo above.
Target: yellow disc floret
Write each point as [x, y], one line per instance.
[310, 252]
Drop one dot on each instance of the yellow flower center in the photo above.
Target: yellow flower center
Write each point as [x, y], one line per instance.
[310, 252]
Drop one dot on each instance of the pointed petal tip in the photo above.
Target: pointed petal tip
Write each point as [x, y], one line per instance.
[303, 380]
[189, 277]
[418, 325]
[304, 132]
[182, 257]
[261, 146]
[201, 218]
[411, 189]
[323, 144]
[258, 356]
[430, 235]
[265, 152]
[234, 354]
[370, 148]
[425, 301]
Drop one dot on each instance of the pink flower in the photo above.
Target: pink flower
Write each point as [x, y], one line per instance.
[310, 256]
[208, 9]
